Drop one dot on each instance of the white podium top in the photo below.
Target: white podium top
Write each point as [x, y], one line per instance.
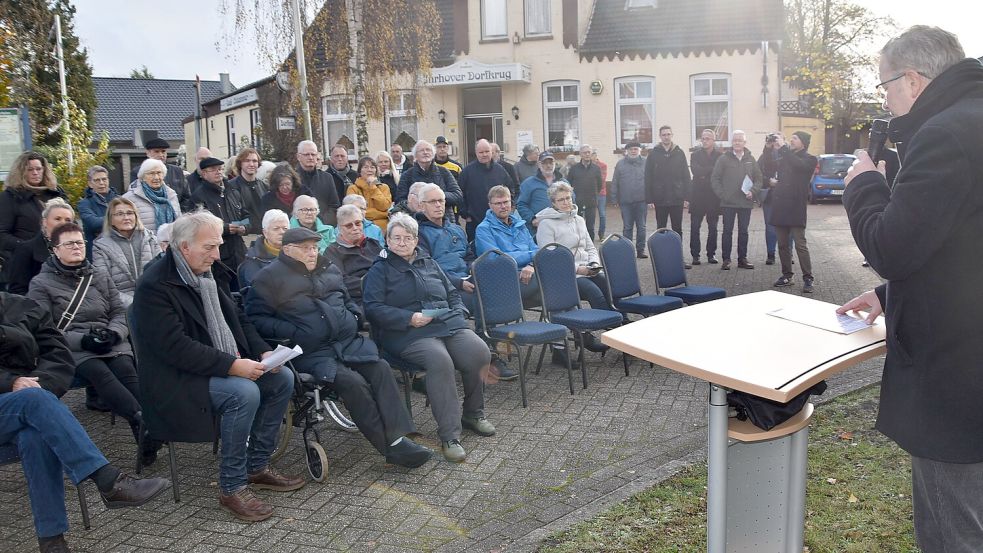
[733, 342]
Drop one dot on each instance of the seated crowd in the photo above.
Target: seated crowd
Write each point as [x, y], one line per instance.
[139, 306]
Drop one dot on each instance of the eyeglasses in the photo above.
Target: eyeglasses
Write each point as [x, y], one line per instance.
[882, 86]
[402, 239]
[564, 199]
[308, 210]
[124, 214]
[73, 245]
[439, 201]
[353, 224]
[502, 203]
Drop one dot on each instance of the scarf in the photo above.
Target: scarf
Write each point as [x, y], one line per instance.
[204, 284]
[270, 249]
[288, 198]
[73, 271]
[163, 211]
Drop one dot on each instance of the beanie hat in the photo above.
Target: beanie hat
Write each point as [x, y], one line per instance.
[805, 137]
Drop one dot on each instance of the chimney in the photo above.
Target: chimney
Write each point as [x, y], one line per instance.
[226, 84]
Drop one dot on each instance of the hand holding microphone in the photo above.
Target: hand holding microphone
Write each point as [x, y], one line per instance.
[866, 159]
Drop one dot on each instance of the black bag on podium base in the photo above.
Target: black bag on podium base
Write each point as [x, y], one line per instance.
[767, 414]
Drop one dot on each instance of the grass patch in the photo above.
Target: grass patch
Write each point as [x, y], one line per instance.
[857, 496]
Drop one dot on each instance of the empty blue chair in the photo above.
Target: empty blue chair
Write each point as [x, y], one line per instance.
[666, 251]
[496, 281]
[618, 260]
[556, 272]
[10, 455]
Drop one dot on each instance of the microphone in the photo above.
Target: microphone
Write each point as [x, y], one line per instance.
[878, 136]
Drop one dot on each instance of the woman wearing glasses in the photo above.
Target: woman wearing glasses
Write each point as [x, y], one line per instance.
[95, 328]
[124, 247]
[378, 196]
[305, 213]
[156, 202]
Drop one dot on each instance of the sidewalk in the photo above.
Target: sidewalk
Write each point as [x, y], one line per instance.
[558, 462]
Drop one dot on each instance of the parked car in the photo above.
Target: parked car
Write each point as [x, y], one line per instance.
[827, 182]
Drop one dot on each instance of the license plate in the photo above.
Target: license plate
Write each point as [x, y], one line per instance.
[836, 192]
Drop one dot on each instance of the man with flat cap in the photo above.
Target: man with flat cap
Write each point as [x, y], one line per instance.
[226, 203]
[157, 149]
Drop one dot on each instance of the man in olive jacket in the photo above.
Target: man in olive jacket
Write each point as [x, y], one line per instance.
[923, 238]
[736, 199]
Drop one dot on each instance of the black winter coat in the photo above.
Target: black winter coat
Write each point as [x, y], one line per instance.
[354, 262]
[923, 237]
[256, 259]
[342, 180]
[435, 174]
[311, 309]
[475, 182]
[20, 216]
[395, 290]
[702, 196]
[586, 182]
[30, 345]
[225, 203]
[175, 352]
[790, 197]
[26, 263]
[252, 193]
[667, 177]
[322, 186]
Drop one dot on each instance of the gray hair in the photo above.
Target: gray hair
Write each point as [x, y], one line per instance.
[421, 143]
[56, 203]
[304, 198]
[427, 187]
[149, 164]
[186, 227]
[403, 221]
[265, 168]
[558, 187]
[415, 188]
[927, 50]
[164, 233]
[306, 143]
[347, 213]
[738, 132]
[273, 216]
[95, 169]
[356, 200]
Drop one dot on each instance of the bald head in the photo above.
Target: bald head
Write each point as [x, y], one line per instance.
[202, 153]
[483, 151]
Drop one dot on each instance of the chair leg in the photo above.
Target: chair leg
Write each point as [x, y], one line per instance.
[522, 373]
[542, 354]
[407, 391]
[172, 459]
[580, 359]
[566, 346]
[84, 506]
[624, 359]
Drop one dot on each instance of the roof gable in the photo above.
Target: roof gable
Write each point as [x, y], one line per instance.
[680, 27]
[125, 105]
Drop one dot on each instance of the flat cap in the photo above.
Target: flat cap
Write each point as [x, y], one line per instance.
[298, 235]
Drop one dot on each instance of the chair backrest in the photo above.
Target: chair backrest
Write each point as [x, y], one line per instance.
[666, 249]
[557, 275]
[496, 281]
[618, 259]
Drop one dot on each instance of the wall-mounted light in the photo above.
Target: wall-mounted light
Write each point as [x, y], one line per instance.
[515, 38]
[515, 112]
[442, 115]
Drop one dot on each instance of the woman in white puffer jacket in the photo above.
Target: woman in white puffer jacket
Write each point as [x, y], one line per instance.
[124, 247]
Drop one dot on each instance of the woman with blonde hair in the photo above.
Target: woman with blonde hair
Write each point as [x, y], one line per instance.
[30, 183]
[124, 247]
[387, 170]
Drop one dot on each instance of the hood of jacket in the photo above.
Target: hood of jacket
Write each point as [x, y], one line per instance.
[552, 213]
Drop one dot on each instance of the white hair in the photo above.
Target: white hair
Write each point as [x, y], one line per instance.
[735, 133]
[420, 143]
[164, 232]
[306, 143]
[927, 50]
[149, 164]
[273, 216]
[185, 229]
[403, 220]
[304, 199]
[427, 187]
[265, 168]
[348, 213]
[356, 200]
[415, 188]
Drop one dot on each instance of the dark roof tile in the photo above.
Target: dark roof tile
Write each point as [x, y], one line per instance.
[124, 105]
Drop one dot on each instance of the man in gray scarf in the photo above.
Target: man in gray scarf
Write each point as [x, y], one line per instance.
[199, 364]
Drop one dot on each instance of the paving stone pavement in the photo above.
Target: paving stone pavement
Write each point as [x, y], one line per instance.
[561, 460]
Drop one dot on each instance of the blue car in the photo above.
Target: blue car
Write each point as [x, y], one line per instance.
[827, 182]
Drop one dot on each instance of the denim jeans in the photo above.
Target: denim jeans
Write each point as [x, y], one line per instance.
[50, 440]
[633, 214]
[602, 215]
[251, 414]
[594, 290]
[743, 215]
[771, 237]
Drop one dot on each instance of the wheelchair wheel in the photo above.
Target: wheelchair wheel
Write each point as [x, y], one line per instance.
[283, 435]
[317, 462]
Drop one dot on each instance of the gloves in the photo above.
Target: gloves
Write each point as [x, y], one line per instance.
[100, 341]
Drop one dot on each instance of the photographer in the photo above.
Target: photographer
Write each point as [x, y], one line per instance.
[789, 198]
[768, 162]
[920, 237]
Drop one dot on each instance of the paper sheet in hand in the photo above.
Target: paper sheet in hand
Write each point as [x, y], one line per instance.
[821, 316]
[747, 185]
[280, 355]
[435, 312]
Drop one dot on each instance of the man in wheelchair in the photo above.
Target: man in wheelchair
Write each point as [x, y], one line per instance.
[301, 297]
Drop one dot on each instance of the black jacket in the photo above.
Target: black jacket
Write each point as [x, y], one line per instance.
[26, 263]
[435, 174]
[475, 182]
[790, 196]
[20, 216]
[177, 181]
[354, 262]
[175, 352]
[510, 169]
[586, 182]
[311, 309]
[322, 187]
[252, 193]
[30, 345]
[666, 177]
[342, 180]
[923, 237]
[226, 204]
[702, 197]
[256, 259]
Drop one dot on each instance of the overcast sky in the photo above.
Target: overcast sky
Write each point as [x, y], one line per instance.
[178, 39]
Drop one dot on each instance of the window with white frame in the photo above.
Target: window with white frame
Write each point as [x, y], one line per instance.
[538, 17]
[255, 126]
[339, 122]
[710, 95]
[494, 21]
[561, 113]
[635, 110]
[401, 119]
[230, 133]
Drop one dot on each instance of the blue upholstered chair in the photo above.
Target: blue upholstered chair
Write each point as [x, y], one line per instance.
[496, 280]
[556, 272]
[618, 259]
[10, 455]
[666, 251]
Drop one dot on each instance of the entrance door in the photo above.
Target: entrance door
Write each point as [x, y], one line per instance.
[476, 127]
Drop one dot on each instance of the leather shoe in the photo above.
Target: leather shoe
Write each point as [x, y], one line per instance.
[744, 264]
[132, 492]
[271, 479]
[453, 451]
[725, 266]
[244, 505]
[408, 453]
[641, 255]
[479, 425]
[696, 261]
[54, 544]
[505, 374]
[711, 260]
[770, 260]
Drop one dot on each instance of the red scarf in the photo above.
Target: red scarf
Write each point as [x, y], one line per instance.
[287, 199]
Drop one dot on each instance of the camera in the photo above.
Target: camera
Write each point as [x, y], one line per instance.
[771, 138]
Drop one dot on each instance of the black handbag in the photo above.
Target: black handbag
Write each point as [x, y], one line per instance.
[767, 414]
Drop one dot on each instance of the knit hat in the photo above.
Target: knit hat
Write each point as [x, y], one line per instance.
[805, 137]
